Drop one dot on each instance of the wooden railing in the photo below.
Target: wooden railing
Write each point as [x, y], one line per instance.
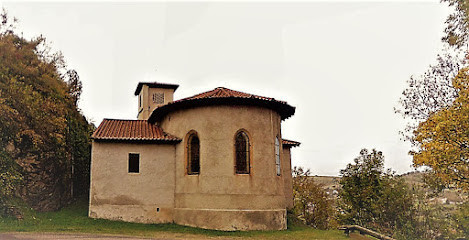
[364, 231]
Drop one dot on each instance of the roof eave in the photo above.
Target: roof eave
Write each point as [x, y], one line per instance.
[133, 140]
[291, 145]
[155, 85]
[282, 108]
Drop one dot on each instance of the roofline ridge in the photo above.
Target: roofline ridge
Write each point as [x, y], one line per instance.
[250, 94]
[224, 90]
[192, 97]
[124, 119]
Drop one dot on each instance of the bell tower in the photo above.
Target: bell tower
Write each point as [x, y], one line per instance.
[152, 95]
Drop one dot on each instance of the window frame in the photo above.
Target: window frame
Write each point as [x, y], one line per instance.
[190, 135]
[129, 159]
[278, 161]
[248, 152]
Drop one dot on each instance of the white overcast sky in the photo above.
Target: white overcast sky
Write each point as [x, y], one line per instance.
[343, 65]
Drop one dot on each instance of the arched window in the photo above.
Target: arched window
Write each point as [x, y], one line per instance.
[193, 154]
[277, 156]
[242, 148]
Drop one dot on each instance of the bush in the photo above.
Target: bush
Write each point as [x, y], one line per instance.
[311, 202]
[374, 198]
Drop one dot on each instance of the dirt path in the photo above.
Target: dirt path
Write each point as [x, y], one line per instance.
[66, 236]
[84, 236]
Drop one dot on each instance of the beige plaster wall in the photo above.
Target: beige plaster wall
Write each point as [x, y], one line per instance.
[147, 196]
[147, 100]
[217, 187]
[287, 177]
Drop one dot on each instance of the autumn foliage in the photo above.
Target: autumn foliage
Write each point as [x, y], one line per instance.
[311, 202]
[435, 104]
[444, 139]
[44, 139]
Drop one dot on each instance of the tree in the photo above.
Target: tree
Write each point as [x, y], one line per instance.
[10, 178]
[311, 202]
[436, 103]
[428, 93]
[457, 24]
[444, 139]
[372, 197]
[429, 96]
[433, 90]
[7, 25]
[10, 174]
[43, 134]
[74, 85]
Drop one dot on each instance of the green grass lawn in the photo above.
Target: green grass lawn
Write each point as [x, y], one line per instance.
[74, 219]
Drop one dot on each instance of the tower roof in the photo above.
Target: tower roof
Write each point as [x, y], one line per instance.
[155, 85]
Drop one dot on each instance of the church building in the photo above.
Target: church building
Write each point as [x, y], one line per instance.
[216, 160]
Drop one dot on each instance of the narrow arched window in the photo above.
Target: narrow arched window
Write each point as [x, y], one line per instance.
[193, 154]
[242, 148]
[277, 156]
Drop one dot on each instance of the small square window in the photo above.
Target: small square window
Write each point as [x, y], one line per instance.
[134, 163]
[158, 98]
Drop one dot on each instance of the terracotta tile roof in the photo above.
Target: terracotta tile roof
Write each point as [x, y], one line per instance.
[290, 143]
[221, 92]
[131, 130]
[224, 96]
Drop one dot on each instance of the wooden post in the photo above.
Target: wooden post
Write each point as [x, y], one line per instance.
[364, 231]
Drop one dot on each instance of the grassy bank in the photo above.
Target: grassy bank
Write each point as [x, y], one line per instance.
[74, 219]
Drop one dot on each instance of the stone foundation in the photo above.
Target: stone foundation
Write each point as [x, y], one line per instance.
[232, 219]
[132, 213]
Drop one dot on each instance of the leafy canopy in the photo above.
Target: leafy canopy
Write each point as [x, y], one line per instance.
[432, 104]
[43, 135]
[444, 138]
[372, 197]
